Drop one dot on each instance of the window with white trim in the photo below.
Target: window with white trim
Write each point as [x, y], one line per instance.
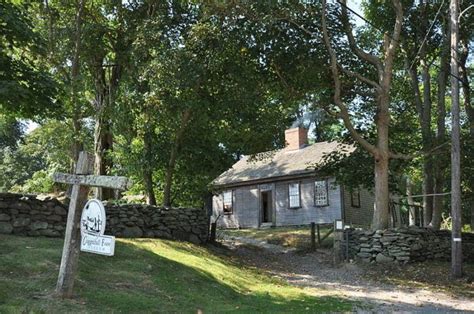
[321, 193]
[227, 202]
[294, 195]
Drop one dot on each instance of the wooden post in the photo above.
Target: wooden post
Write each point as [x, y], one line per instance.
[313, 236]
[338, 238]
[456, 246]
[72, 236]
[319, 234]
[81, 182]
[212, 238]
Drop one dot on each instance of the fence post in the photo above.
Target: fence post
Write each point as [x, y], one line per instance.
[313, 236]
[338, 239]
[212, 237]
[319, 234]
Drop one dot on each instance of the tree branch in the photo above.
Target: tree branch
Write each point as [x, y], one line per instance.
[392, 45]
[420, 153]
[343, 113]
[360, 77]
[352, 43]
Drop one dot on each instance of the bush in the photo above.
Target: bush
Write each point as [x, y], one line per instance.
[40, 182]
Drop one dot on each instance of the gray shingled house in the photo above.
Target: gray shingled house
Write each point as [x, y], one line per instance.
[282, 188]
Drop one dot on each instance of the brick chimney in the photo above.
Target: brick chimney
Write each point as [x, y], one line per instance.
[296, 138]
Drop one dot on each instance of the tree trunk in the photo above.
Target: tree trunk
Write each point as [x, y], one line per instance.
[469, 107]
[427, 191]
[103, 142]
[103, 137]
[173, 157]
[147, 167]
[439, 163]
[384, 68]
[381, 217]
[77, 145]
[411, 203]
[456, 247]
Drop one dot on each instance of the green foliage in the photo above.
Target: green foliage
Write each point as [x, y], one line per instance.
[17, 166]
[11, 131]
[40, 182]
[26, 88]
[29, 166]
[192, 66]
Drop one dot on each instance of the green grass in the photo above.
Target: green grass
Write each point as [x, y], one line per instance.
[298, 237]
[146, 275]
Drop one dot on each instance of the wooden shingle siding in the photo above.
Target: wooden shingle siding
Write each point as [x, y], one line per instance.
[361, 216]
[247, 211]
[308, 212]
[246, 208]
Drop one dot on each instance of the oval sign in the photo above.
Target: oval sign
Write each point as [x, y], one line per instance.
[93, 217]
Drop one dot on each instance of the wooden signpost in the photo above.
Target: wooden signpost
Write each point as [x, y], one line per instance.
[82, 181]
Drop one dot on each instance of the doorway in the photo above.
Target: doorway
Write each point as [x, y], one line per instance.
[266, 206]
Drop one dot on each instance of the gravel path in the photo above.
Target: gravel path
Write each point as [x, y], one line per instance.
[316, 270]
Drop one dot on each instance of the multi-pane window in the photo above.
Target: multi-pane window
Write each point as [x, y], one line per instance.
[355, 198]
[227, 201]
[294, 195]
[321, 193]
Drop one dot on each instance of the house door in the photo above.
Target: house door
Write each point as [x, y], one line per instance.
[266, 206]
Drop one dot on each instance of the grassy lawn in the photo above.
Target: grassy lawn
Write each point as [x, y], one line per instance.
[298, 237]
[145, 275]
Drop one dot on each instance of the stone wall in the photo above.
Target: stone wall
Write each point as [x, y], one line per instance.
[27, 215]
[405, 245]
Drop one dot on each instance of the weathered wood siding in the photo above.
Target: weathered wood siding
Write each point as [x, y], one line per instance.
[246, 208]
[247, 211]
[308, 212]
[359, 216]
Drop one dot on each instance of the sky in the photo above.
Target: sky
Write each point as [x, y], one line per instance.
[356, 6]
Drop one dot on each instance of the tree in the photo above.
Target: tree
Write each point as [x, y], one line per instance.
[26, 88]
[456, 247]
[384, 66]
[424, 48]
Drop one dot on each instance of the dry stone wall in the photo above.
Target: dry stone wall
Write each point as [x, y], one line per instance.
[27, 215]
[403, 245]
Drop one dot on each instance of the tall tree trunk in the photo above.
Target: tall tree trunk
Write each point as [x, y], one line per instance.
[411, 203]
[103, 142]
[439, 163]
[173, 157]
[77, 145]
[381, 217]
[427, 145]
[456, 247]
[148, 163]
[469, 107]
[103, 138]
[423, 106]
[384, 68]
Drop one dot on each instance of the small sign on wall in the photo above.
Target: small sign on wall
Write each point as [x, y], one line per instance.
[93, 217]
[98, 244]
[92, 230]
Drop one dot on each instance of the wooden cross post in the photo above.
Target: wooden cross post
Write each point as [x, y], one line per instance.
[81, 181]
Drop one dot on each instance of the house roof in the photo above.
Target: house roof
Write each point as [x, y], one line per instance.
[279, 163]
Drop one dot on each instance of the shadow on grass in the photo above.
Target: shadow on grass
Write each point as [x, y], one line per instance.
[143, 276]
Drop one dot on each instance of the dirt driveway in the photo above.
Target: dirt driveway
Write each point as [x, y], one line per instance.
[361, 282]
